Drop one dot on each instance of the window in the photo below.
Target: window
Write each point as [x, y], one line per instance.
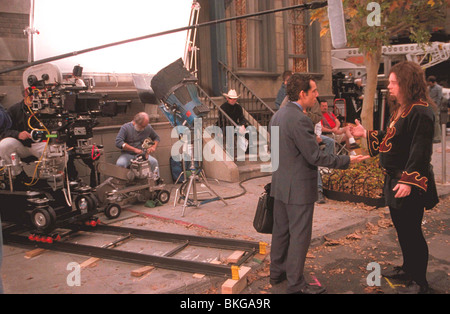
[252, 47]
[296, 39]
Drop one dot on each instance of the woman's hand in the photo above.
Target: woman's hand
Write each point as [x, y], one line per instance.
[358, 130]
[403, 190]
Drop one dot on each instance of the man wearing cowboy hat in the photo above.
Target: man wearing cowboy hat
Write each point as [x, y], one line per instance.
[233, 110]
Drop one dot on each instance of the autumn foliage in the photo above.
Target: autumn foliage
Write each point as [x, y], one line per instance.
[370, 25]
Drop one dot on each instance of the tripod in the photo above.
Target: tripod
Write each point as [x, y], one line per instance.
[196, 175]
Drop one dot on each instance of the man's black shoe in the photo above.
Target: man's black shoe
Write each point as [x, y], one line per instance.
[354, 146]
[321, 198]
[308, 289]
[20, 181]
[276, 281]
[23, 177]
[396, 272]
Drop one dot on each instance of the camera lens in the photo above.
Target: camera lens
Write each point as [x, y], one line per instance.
[37, 136]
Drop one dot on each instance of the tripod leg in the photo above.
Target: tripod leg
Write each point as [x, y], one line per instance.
[182, 173]
[194, 188]
[176, 198]
[203, 176]
[191, 182]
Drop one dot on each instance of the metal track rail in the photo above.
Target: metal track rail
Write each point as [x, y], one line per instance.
[167, 261]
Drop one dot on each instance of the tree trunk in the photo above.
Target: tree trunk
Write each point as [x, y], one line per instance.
[372, 63]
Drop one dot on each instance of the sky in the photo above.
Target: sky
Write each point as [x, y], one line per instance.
[67, 26]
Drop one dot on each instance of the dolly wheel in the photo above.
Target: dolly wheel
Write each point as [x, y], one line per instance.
[163, 196]
[42, 219]
[113, 211]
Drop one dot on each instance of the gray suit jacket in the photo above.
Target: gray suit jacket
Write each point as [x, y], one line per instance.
[295, 180]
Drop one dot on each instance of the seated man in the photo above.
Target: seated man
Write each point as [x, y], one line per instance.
[331, 125]
[327, 144]
[130, 138]
[234, 110]
[17, 138]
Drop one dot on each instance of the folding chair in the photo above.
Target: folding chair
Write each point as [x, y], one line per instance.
[339, 148]
[340, 109]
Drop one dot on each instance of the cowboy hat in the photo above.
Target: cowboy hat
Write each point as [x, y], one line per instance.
[232, 94]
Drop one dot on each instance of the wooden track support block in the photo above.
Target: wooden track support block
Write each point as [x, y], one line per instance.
[89, 262]
[234, 257]
[142, 271]
[34, 253]
[232, 286]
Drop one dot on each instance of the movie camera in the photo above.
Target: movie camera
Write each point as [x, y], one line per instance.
[62, 114]
[63, 110]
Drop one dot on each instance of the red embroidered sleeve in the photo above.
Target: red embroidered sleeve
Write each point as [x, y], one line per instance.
[414, 179]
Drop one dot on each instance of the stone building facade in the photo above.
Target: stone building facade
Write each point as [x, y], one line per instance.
[261, 48]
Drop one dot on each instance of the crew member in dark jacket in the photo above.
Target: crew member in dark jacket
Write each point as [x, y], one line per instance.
[405, 150]
[18, 138]
[232, 108]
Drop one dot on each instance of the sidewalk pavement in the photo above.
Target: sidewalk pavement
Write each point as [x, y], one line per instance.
[50, 272]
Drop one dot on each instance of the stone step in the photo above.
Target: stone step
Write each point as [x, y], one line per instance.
[252, 159]
[252, 170]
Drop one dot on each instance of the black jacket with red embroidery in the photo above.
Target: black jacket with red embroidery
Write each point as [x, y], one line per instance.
[406, 146]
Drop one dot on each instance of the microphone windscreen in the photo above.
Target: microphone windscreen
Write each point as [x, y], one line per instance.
[337, 24]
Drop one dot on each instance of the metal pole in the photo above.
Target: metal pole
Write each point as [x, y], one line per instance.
[31, 31]
[444, 153]
[444, 119]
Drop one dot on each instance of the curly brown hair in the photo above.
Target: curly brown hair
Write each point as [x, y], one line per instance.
[412, 83]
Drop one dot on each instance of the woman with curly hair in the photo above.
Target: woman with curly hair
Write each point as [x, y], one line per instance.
[405, 150]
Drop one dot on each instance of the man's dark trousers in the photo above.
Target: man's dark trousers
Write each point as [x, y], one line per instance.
[290, 242]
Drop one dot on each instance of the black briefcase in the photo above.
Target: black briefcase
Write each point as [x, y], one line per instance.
[263, 221]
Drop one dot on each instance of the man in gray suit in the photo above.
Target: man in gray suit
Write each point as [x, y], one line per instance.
[294, 185]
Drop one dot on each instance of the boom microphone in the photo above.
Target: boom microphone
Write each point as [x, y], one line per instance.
[337, 23]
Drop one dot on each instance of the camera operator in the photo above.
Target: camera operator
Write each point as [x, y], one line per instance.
[18, 138]
[130, 138]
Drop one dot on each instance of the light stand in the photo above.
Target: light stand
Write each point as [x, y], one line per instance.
[177, 91]
[197, 175]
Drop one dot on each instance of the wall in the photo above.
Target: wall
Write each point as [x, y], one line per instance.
[266, 84]
[14, 18]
